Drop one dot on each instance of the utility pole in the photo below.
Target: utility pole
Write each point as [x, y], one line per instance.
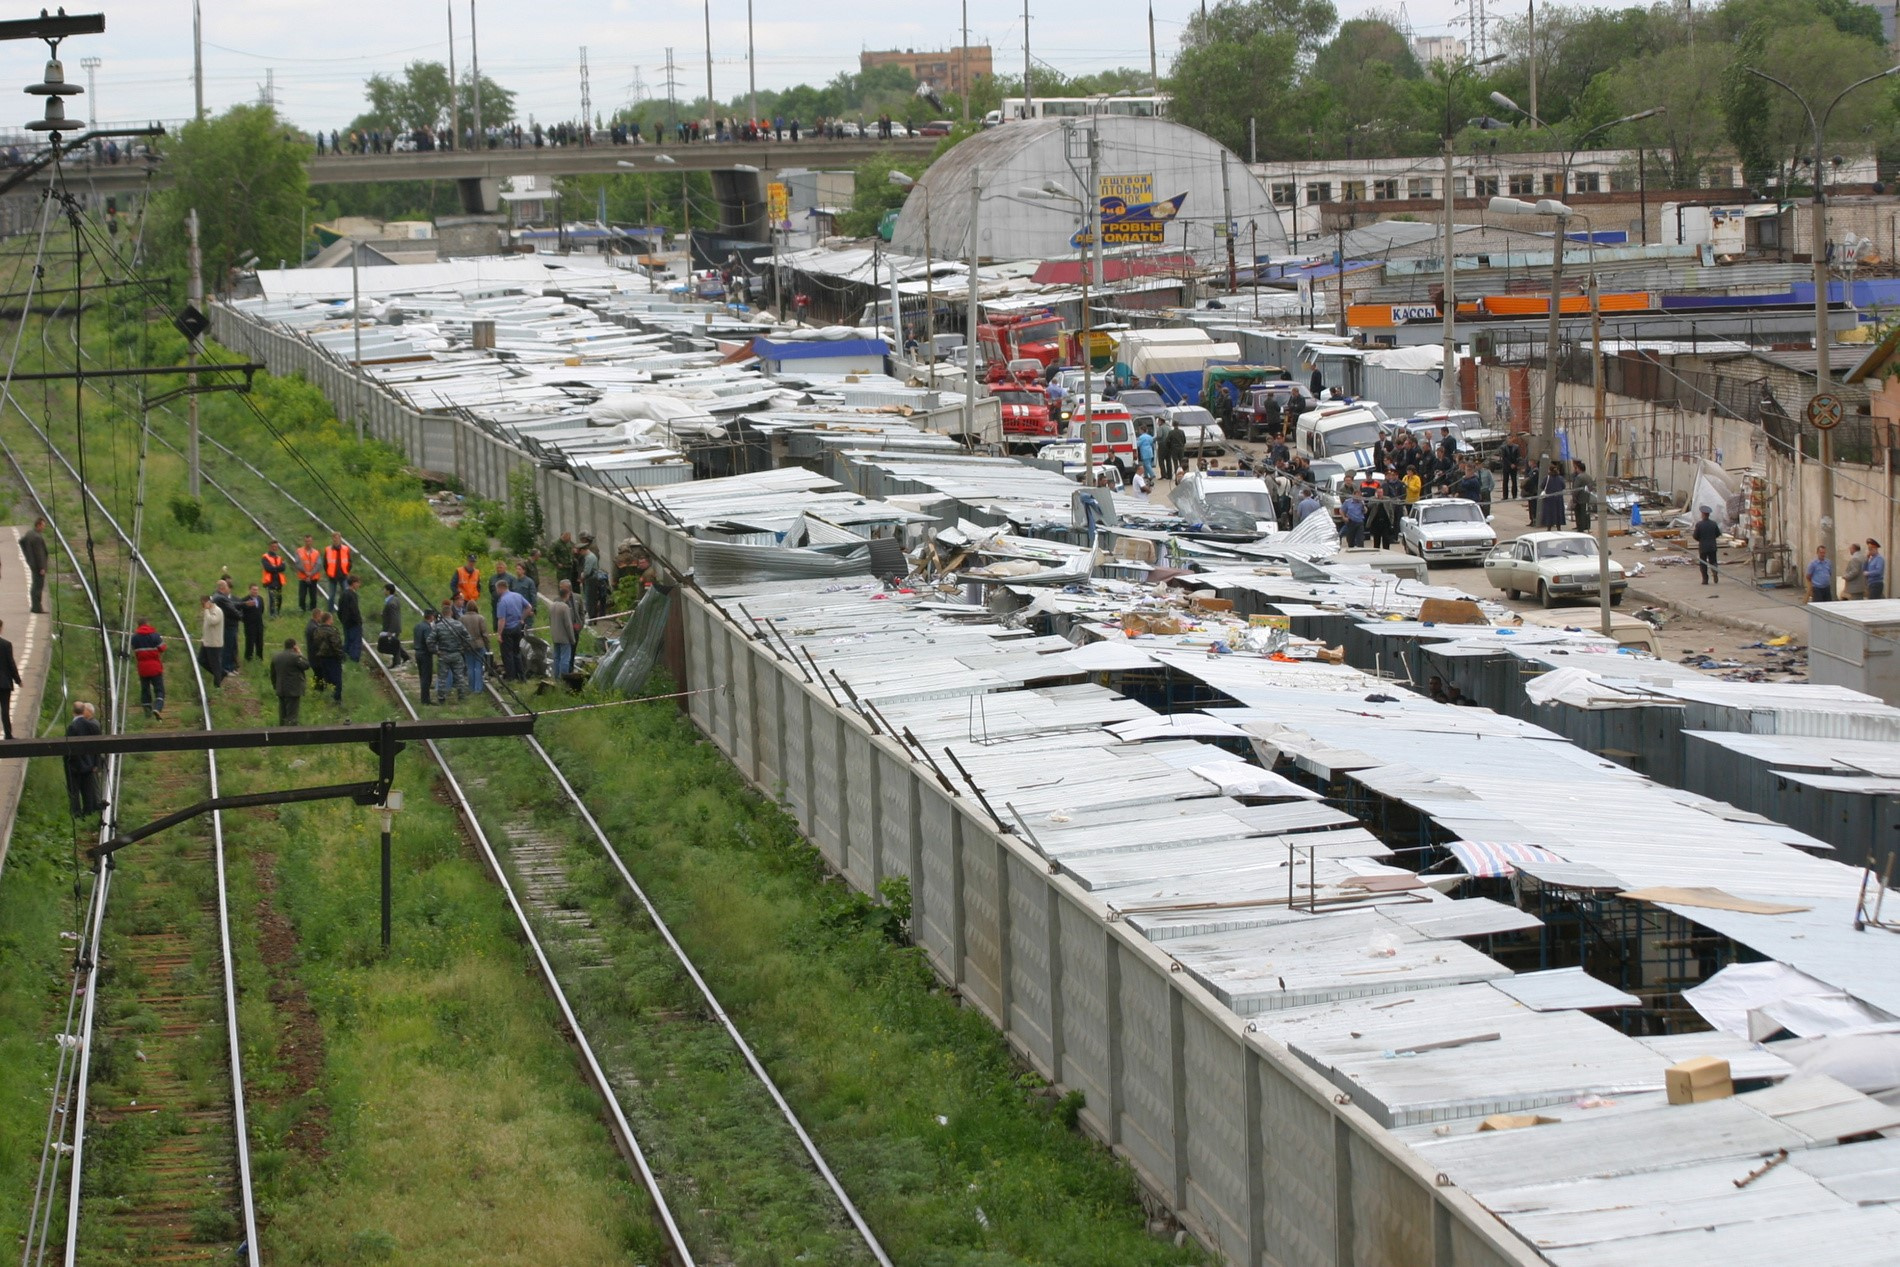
[1227, 225]
[969, 316]
[92, 96]
[455, 89]
[198, 67]
[356, 329]
[1339, 266]
[1029, 96]
[1600, 503]
[963, 58]
[1448, 301]
[475, 69]
[1533, 62]
[1253, 139]
[711, 108]
[195, 295]
[752, 70]
[1154, 62]
[1546, 443]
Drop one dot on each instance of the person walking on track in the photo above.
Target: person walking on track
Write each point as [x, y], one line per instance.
[148, 653]
[83, 793]
[33, 550]
[289, 677]
[337, 558]
[423, 640]
[272, 579]
[211, 640]
[309, 573]
[9, 678]
[326, 652]
[451, 655]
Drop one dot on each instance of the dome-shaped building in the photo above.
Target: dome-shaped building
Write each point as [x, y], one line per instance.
[1160, 186]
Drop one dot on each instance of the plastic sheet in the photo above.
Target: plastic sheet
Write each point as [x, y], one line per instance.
[629, 664]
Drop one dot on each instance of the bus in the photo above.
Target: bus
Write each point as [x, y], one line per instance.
[1126, 105]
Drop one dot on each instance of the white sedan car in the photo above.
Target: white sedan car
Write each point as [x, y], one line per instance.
[1203, 432]
[1439, 529]
[1552, 565]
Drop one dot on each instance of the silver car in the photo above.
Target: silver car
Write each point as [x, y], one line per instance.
[1552, 565]
[1440, 529]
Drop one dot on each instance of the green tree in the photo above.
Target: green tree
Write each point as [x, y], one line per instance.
[1241, 62]
[1769, 128]
[419, 98]
[1357, 90]
[874, 194]
[1687, 81]
[243, 171]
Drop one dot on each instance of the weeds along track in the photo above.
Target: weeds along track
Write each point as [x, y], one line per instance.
[708, 1134]
[154, 1167]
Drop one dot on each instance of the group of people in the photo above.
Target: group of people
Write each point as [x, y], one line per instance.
[1863, 576]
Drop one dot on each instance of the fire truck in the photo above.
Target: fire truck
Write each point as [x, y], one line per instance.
[1025, 409]
[1014, 337]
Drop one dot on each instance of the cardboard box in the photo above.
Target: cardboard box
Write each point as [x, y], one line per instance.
[1152, 623]
[1201, 602]
[1514, 1121]
[1451, 611]
[1698, 1079]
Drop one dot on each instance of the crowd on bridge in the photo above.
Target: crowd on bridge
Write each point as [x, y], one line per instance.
[427, 140]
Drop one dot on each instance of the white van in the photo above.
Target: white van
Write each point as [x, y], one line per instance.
[1333, 431]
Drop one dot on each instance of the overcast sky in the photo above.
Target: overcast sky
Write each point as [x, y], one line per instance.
[321, 53]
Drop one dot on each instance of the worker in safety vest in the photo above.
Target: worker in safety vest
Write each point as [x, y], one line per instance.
[273, 578]
[466, 585]
[309, 572]
[336, 566]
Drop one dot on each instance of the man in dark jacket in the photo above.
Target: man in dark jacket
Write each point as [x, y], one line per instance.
[349, 614]
[1707, 532]
[227, 602]
[326, 652]
[9, 678]
[33, 550]
[451, 654]
[83, 793]
[391, 641]
[148, 653]
[423, 641]
[251, 607]
[288, 677]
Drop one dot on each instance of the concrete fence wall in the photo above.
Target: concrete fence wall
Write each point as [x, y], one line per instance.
[1256, 1153]
[1668, 445]
[437, 442]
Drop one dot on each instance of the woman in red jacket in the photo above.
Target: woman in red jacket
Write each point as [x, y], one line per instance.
[148, 651]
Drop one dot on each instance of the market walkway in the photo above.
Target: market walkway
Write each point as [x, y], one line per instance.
[31, 637]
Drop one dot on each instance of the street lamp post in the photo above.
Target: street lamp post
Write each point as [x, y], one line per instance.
[1448, 305]
[1051, 190]
[1823, 371]
[1601, 455]
[904, 181]
[1546, 441]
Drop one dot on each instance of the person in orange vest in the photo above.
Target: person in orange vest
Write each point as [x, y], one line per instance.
[336, 566]
[273, 578]
[309, 571]
[465, 586]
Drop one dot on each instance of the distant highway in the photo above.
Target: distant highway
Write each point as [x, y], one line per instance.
[459, 165]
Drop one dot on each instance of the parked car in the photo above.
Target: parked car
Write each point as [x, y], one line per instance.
[1146, 406]
[1552, 565]
[1467, 427]
[1200, 427]
[1440, 529]
[936, 127]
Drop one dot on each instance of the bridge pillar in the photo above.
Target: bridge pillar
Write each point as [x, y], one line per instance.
[741, 197]
[480, 195]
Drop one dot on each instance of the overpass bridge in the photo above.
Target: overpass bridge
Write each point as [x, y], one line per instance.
[746, 166]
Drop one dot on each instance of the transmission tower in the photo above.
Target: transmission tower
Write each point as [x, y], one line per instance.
[1476, 19]
[267, 91]
[671, 84]
[587, 100]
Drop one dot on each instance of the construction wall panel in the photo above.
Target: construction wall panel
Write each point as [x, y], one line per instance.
[1031, 1015]
[1391, 1213]
[982, 926]
[1296, 1144]
[1216, 1131]
[937, 900]
[1146, 1093]
[1087, 1028]
[861, 807]
[897, 838]
[795, 704]
[827, 786]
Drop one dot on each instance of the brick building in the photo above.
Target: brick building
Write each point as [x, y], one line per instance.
[942, 70]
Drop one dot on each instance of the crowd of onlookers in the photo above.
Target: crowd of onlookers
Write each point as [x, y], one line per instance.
[494, 136]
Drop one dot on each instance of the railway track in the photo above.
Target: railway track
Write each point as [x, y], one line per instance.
[535, 849]
[191, 1198]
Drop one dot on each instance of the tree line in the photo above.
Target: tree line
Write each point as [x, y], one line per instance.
[1311, 86]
